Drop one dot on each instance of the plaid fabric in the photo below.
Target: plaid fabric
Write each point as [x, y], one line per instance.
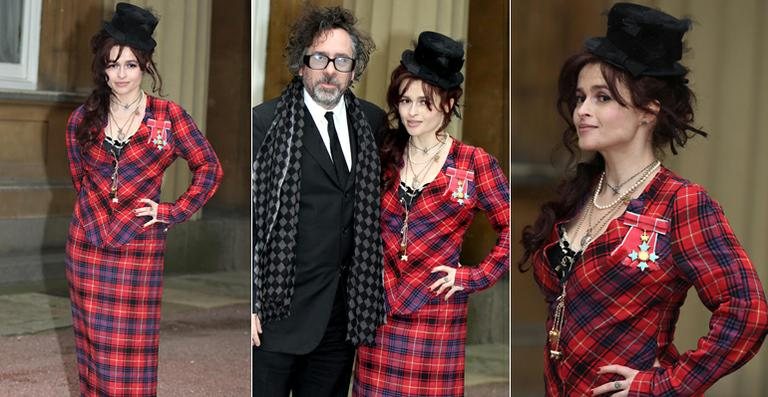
[114, 266]
[115, 295]
[420, 349]
[619, 312]
[166, 133]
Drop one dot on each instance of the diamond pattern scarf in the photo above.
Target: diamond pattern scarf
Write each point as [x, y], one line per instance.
[276, 188]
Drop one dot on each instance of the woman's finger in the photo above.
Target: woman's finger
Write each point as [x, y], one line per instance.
[148, 202]
[453, 290]
[617, 369]
[441, 268]
[444, 287]
[611, 388]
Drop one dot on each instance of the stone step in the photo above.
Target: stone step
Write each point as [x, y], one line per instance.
[32, 249]
[32, 268]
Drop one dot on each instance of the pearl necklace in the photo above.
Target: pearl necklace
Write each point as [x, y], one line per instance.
[625, 194]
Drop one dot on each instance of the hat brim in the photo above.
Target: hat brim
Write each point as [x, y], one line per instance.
[604, 49]
[424, 73]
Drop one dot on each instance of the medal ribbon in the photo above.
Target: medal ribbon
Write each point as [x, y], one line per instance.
[458, 183]
[158, 135]
[638, 248]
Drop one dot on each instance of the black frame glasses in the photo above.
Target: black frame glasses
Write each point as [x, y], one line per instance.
[325, 60]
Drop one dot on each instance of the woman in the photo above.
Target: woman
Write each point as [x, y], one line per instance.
[119, 144]
[432, 185]
[617, 251]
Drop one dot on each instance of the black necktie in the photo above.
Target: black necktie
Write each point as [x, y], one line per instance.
[336, 154]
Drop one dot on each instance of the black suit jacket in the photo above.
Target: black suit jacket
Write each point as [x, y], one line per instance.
[325, 235]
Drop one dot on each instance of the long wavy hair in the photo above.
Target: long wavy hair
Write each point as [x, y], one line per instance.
[673, 128]
[97, 103]
[396, 136]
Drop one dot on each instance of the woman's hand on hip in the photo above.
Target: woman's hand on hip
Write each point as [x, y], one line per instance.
[445, 283]
[150, 210]
[619, 388]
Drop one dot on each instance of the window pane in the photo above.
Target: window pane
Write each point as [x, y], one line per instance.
[10, 31]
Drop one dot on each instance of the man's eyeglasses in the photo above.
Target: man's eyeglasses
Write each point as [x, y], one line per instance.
[320, 62]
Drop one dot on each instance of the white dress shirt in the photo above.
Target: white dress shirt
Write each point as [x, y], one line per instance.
[339, 120]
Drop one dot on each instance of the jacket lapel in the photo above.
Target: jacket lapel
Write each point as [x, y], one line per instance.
[316, 147]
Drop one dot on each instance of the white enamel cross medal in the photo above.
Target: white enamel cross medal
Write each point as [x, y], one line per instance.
[642, 255]
[158, 132]
[638, 247]
[458, 185]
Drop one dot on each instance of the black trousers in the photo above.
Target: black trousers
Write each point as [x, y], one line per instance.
[325, 371]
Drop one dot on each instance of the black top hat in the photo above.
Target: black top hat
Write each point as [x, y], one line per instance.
[437, 59]
[642, 40]
[132, 26]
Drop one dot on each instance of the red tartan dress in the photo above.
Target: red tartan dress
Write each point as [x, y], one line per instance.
[420, 349]
[114, 265]
[623, 297]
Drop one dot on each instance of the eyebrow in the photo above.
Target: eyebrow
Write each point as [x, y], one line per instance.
[110, 62]
[418, 97]
[337, 55]
[595, 87]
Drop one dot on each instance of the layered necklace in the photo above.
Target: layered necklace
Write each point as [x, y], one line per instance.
[432, 155]
[567, 262]
[646, 172]
[119, 140]
[616, 189]
[125, 106]
[122, 131]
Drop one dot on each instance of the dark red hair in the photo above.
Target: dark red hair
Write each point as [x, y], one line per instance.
[396, 136]
[97, 104]
[673, 128]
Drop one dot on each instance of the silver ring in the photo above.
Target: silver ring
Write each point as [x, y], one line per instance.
[446, 279]
[617, 385]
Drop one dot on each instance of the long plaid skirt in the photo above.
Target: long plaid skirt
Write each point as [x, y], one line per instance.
[115, 295]
[420, 354]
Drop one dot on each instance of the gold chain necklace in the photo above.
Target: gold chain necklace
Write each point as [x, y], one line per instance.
[121, 134]
[418, 176]
[617, 188]
[626, 194]
[416, 185]
[558, 318]
[125, 106]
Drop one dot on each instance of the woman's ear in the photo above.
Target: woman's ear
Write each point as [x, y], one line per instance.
[449, 108]
[650, 112]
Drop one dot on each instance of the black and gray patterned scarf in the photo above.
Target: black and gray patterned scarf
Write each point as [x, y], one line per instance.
[276, 188]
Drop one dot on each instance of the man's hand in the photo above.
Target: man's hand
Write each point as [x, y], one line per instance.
[255, 330]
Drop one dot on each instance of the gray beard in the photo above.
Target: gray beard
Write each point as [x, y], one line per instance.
[325, 98]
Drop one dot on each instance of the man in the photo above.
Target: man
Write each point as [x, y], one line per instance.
[317, 252]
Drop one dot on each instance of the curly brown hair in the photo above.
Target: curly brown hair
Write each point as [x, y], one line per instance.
[396, 137]
[674, 126]
[314, 22]
[97, 103]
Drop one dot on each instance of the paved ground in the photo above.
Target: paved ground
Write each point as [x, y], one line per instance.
[204, 344]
